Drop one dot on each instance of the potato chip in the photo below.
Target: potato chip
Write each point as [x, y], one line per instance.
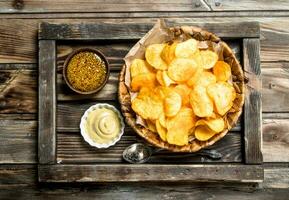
[167, 80]
[151, 125]
[139, 66]
[200, 102]
[209, 58]
[159, 76]
[161, 131]
[153, 56]
[198, 58]
[172, 104]
[185, 119]
[179, 126]
[144, 91]
[148, 106]
[223, 95]
[206, 78]
[186, 49]
[182, 69]
[177, 137]
[192, 81]
[222, 71]
[184, 91]
[168, 53]
[216, 124]
[143, 80]
[162, 91]
[164, 79]
[204, 133]
[163, 120]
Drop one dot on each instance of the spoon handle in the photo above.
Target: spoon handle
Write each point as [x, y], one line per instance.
[210, 153]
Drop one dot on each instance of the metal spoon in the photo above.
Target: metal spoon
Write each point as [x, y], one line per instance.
[141, 153]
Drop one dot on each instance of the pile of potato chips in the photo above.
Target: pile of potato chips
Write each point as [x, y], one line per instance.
[183, 92]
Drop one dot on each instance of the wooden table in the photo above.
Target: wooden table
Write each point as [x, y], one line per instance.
[19, 21]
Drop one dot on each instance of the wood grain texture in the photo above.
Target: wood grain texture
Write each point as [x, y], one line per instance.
[18, 142]
[276, 177]
[142, 191]
[18, 44]
[149, 173]
[275, 139]
[25, 116]
[15, 176]
[71, 148]
[103, 31]
[18, 91]
[58, 6]
[275, 87]
[253, 103]
[283, 65]
[171, 14]
[47, 102]
[20, 175]
[247, 5]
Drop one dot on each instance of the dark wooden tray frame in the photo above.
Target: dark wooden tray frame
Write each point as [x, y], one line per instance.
[50, 171]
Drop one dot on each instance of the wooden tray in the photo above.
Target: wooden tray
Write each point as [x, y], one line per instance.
[65, 157]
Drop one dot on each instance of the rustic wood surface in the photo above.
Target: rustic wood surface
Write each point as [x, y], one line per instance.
[150, 173]
[253, 106]
[47, 102]
[18, 95]
[137, 30]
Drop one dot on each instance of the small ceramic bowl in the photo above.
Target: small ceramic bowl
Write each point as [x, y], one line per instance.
[87, 49]
[86, 136]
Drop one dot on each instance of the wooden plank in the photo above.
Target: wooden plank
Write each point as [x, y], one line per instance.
[253, 106]
[18, 91]
[15, 176]
[276, 140]
[71, 148]
[284, 65]
[276, 177]
[175, 14]
[275, 116]
[275, 87]
[17, 36]
[20, 175]
[149, 173]
[18, 141]
[47, 102]
[18, 116]
[247, 5]
[69, 6]
[143, 191]
[103, 31]
[16, 66]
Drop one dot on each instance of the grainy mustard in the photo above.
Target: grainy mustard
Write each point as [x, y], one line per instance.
[86, 71]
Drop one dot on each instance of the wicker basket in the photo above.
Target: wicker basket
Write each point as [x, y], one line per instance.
[230, 118]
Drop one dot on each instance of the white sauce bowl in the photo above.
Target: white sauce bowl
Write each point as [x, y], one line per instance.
[87, 137]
